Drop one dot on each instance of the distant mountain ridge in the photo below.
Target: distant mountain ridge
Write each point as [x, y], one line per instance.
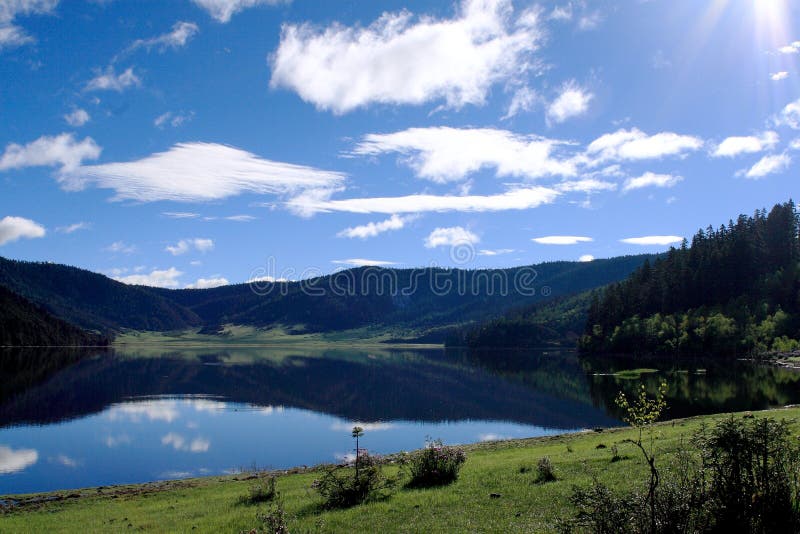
[426, 302]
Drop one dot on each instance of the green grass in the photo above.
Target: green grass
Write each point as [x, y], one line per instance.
[248, 336]
[214, 504]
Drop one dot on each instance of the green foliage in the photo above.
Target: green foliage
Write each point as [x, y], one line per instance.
[263, 491]
[736, 290]
[435, 465]
[753, 469]
[341, 489]
[272, 522]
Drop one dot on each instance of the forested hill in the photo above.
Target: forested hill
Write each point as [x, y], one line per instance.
[735, 290]
[423, 303]
[22, 323]
[91, 300]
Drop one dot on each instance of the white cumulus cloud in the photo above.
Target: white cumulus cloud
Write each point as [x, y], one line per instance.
[572, 101]
[208, 283]
[109, 80]
[733, 146]
[445, 154]
[403, 59]
[634, 144]
[778, 76]
[771, 164]
[50, 151]
[586, 258]
[157, 278]
[77, 117]
[14, 228]
[789, 116]
[371, 229]
[185, 245]
[650, 179]
[451, 237]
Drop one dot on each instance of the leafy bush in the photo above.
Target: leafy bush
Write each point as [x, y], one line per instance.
[272, 522]
[341, 489]
[754, 474]
[261, 492]
[745, 479]
[435, 465]
[545, 472]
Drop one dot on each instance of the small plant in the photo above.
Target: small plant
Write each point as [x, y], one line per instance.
[435, 465]
[545, 472]
[615, 457]
[272, 522]
[262, 492]
[340, 490]
[642, 413]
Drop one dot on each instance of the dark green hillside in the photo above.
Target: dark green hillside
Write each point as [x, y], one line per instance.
[421, 300]
[735, 290]
[91, 300]
[559, 322]
[22, 323]
[426, 303]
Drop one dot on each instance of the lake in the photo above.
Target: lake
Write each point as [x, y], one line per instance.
[72, 419]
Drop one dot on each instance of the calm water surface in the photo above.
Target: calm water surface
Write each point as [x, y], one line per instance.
[71, 419]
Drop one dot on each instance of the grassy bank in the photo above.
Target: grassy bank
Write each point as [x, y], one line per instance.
[505, 468]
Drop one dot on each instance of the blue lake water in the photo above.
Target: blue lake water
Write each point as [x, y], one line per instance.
[115, 418]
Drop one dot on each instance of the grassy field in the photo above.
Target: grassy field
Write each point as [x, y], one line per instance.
[213, 504]
[248, 336]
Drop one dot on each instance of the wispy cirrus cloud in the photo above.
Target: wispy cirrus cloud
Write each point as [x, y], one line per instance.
[515, 199]
[71, 228]
[404, 59]
[651, 240]
[200, 172]
[561, 240]
[178, 37]
[223, 10]
[13, 35]
[363, 262]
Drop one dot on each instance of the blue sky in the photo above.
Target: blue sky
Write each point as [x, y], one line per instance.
[200, 142]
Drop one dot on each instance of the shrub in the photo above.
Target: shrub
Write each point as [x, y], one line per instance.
[272, 522]
[545, 472]
[601, 511]
[435, 465]
[262, 492]
[340, 489]
[753, 470]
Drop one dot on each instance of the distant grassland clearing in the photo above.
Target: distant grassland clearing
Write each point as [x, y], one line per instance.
[249, 336]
